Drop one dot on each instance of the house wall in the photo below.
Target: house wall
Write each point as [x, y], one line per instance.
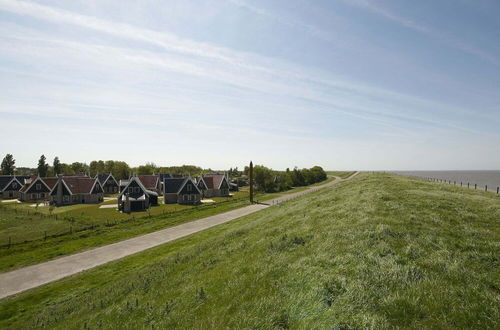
[170, 198]
[9, 194]
[189, 199]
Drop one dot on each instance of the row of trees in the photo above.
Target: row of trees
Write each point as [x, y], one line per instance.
[119, 169]
[269, 180]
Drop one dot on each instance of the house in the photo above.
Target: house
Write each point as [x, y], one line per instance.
[151, 182]
[76, 190]
[10, 186]
[181, 190]
[122, 184]
[214, 185]
[108, 183]
[37, 189]
[135, 197]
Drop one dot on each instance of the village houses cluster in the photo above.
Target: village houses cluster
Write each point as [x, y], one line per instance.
[138, 193]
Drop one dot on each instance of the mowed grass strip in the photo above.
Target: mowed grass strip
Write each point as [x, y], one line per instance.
[379, 251]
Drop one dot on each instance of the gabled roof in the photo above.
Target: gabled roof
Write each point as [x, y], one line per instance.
[79, 185]
[5, 181]
[104, 177]
[214, 180]
[138, 181]
[149, 181]
[48, 182]
[164, 176]
[175, 185]
[202, 181]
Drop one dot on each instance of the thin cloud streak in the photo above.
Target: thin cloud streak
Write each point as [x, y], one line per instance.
[423, 29]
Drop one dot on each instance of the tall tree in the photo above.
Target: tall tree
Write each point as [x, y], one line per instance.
[8, 165]
[57, 166]
[43, 167]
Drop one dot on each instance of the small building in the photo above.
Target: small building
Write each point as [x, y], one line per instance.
[76, 190]
[151, 182]
[10, 186]
[214, 185]
[180, 190]
[108, 183]
[37, 189]
[134, 197]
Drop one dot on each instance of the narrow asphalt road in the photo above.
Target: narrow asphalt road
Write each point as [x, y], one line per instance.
[30, 277]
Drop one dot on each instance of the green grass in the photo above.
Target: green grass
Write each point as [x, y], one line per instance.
[341, 174]
[379, 251]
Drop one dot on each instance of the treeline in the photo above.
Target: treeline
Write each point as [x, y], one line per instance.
[119, 169]
[268, 180]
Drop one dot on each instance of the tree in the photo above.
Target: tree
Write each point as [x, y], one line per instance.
[43, 167]
[8, 165]
[57, 166]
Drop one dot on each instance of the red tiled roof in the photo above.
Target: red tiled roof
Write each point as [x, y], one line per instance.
[215, 179]
[50, 182]
[149, 181]
[79, 184]
[209, 182]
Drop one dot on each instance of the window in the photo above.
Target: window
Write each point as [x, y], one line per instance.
[137, 189]
[66, 198]
[14, 185]
[185, 197]
[42, 195]
[130, 190]
[189, 187]
[38, 186]
[33, 196]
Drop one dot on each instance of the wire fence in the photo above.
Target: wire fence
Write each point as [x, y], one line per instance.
[469, 185]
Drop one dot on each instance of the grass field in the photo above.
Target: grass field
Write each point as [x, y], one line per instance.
[341, 174]
[40, 234]
[379, 251]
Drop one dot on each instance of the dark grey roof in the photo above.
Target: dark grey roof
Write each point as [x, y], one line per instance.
[173, 185]
[4, 181]
[102, 177]
[21, 178]
[164, 176]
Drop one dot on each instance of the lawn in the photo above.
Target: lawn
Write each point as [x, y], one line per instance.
[341, 174]
[379, 251]
[30, 235]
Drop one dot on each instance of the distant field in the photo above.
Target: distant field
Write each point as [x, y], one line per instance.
[341, 174]
[379, 251]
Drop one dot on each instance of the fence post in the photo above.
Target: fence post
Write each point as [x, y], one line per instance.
[498, 189]
[460, 183]
[467, 184]
[475, 186]
[486, 188]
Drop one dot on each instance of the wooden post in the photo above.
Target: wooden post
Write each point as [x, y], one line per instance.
[467, 184]
[251, 182]
[498, 190]
[475, 186]
[486, 188]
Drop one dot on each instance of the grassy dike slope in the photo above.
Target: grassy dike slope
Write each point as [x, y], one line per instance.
[377, 251]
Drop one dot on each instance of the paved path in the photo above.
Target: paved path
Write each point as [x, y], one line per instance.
[33, 276]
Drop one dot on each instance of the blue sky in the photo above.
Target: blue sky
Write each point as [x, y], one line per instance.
[345, 84]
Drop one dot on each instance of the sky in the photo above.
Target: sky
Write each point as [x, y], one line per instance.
[344, 84]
